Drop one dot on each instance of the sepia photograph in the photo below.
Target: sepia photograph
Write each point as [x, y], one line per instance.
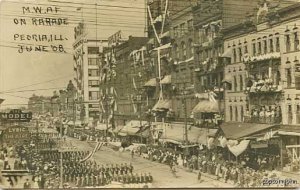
[144, 94]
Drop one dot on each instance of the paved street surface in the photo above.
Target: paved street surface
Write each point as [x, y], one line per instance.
[161, 173]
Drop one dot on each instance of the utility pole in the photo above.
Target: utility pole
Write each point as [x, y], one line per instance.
[61, 156]
[185, 114]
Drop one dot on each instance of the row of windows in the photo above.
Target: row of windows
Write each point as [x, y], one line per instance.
[236, 113]
[182, 29]
[183, 51]
[94, 83]
[265, 45]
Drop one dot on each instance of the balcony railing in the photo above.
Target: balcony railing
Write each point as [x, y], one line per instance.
[262, 120]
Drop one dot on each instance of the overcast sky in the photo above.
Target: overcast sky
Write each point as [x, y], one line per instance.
[18, 70]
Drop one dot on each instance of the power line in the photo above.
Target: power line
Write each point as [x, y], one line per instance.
[30, 90]
[36, 83]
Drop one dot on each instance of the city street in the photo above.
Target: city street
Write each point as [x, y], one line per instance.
[163, 178]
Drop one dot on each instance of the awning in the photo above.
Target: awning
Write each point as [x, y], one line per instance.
[227, 53]
[166, 80]
[132, 127]
[162, 105]
[227, 79]
[205, 134]
[237, 130]
[151, 82]
[206, 106]
[289, 130]
[163, 47]
[175, 132]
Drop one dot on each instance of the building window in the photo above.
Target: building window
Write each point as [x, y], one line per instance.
[240, 53]
[175, 31]
[288, 43]
[93, 50]
[254, 49]
[93, 61]
[236, 114]
[271, 45]
[290, 114]
[93, 95]
[191, 48]
[296, 41]
[235, 83]
[242, 113]
[298, 114]
[277, 44]
[265, 47]
[278, 77]
[94, 83]
[230, 113]
[246, 49]
[288, 77]
[93, 72]
[234, 55]
[241, 83]
[183, 47]
[259, 48]
[190, 25]
[182, 29]
[297, 82]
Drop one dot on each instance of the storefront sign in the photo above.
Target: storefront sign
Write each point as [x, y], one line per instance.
[16, 115]
[16, 134]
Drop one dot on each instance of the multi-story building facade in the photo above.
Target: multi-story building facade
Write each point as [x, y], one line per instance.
[87, 59]
[263, 74]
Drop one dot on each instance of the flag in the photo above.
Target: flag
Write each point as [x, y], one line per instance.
[1, 100]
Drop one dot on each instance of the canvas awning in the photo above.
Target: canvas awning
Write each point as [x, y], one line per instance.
[289, 130]
[166, 80]
[132, 127]
[151, 82]
[237, 130]
[175, 132]
[206, 106]
[162, 105]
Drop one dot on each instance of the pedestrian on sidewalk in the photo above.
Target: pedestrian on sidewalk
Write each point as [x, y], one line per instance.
[199, 175]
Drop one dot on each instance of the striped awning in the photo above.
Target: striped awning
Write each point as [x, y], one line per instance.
[206, 106]
[162, 105]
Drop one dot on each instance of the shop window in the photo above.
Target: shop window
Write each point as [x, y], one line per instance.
[288, 43]
[241, 83]
[296, 41]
